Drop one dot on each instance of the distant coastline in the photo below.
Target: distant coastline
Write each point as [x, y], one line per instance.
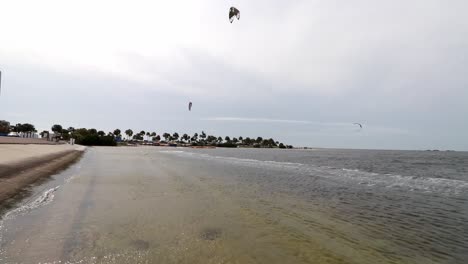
[94, 137]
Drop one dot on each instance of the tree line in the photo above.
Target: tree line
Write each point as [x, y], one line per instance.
[85, 136]
[6, 128]
[94, 137]
[203, 139]
[82, 136]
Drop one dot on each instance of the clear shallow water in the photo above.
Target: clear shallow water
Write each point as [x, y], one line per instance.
[147, 205]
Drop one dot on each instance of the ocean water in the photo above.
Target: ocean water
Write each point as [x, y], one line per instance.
[415, 203]
[180, 205]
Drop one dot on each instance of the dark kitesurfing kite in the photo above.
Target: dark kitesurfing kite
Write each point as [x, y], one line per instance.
[233, 12]
[190, 106]
[358, 124]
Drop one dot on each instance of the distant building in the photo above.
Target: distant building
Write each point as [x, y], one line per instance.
[28, 135]
[13, 134]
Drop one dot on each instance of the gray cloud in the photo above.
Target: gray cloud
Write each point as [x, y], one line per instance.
[299, 71]
[255, 120]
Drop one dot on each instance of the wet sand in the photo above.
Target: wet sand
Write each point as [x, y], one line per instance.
[21, 165]
[139, 205]
[167, 205]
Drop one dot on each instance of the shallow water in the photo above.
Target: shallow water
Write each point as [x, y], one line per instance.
[172, 205]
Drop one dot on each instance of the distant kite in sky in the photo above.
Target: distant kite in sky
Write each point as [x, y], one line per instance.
[190, 106]
[233, 12]
[358, 125]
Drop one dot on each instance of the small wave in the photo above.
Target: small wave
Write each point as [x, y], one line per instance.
[172, 151]
[256, 162]
[69, 179]
[351, 170]
[413, 183]
[45, 198]
[362, 178]
[238, 160]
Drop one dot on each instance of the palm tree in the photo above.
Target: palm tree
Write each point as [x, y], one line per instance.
[241, 139]
[175, 136]
[129, 133]
[228, 139]
[117, 132]
[211, 139]
[55, 128]
[15, 128]
[152, 135]
[195, 137]
[185, 137]
[4, 127]
[166, 136]
[101, 133]
[138, 136]
[158, 138]
[259, 140]
[148, 135]
[272, 142]
[234, 140]
[220, 140]
[203, 136]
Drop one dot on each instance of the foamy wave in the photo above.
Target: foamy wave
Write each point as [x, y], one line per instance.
[412, 183]
[171, 151]
[45, 198]
[69, 179]
[358, 177]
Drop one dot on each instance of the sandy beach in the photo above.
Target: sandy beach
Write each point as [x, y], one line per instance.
[18, 140]
[21, 165]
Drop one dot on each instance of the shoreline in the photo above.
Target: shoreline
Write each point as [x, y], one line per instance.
[19, 171]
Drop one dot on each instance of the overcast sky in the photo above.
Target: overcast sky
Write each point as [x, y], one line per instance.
[299, 71]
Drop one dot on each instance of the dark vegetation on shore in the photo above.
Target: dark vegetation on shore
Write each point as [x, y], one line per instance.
[6, 128]
[83, 136]
[93, 137]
